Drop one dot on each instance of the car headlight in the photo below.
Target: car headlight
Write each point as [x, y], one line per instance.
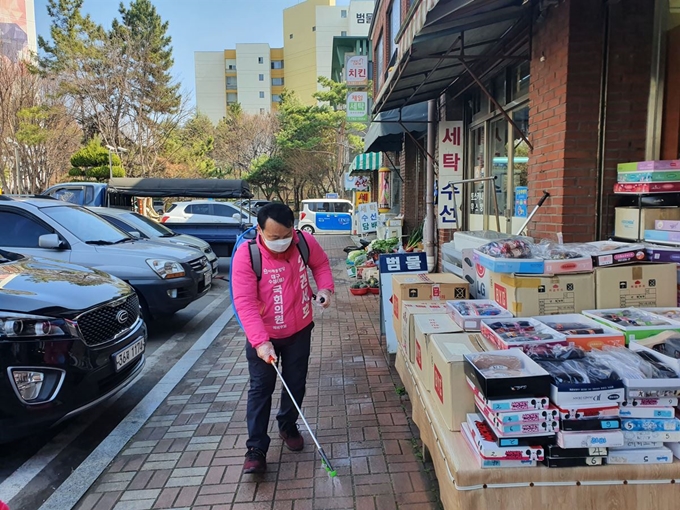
[18, 326]
[166, 269]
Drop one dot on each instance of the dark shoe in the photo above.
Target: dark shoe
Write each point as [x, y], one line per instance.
[292, 439]
[256, 461]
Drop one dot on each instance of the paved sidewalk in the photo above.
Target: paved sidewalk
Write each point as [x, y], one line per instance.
[190, 453]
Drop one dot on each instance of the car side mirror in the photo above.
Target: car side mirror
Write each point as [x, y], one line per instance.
[237, 217]
[50, 242]
[135, 234]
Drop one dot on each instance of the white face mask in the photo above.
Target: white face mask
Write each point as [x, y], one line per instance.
[278, 246]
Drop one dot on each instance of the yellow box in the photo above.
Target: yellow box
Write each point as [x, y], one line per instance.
[629, 219]
[425, 326]
[530, 295]
[439, 287]
[453, 399]
[638, 285]
[404, 328]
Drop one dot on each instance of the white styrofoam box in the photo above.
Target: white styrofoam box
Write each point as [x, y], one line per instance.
[474, 240]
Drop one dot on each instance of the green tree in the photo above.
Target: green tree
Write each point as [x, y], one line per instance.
[92, 161]
[189, 150]
[270, 175]
[117, 82]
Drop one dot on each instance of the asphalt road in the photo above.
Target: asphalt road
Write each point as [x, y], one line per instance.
[33, 468]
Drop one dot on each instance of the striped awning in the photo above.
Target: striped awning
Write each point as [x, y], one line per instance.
[366, 162]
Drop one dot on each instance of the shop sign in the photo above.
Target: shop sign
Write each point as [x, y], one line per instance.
[389, 264]
[521, 201]
[368, 217]
[357, 107]
[356, 70]
[356, 182]
[450, 171]
[362, 197]
[364, 18]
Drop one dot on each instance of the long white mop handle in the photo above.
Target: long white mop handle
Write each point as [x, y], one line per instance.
[295, 403]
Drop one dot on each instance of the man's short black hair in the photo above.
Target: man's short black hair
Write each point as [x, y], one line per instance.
[278, 212]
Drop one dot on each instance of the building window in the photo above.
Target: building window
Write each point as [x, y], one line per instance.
[232, 98]
[277, 64]
[343, 33]
[290, 36]
[276, 98]
[343, 13]
[231, 83]
[261, 95]
[230, 64]
[277, 82]
[262, 111]
[261, 77]
[395, 25]
[313, 29]
[379, 63]
[260, 60]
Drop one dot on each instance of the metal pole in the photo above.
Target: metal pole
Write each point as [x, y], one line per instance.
[429, 188]
[110, 166]
[510, 184]
[16, 163]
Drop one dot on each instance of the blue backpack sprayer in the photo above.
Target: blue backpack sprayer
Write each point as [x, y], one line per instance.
[249, 236]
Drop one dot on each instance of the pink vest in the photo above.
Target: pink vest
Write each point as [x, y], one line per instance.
[280, 304]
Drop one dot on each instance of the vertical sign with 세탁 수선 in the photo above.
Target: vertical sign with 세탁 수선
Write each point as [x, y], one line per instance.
[368, 218]
[450, 171]
[356, 70]
[357, 107]
[391, 264]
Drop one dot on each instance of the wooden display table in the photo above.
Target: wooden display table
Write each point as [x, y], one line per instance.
[465, 486]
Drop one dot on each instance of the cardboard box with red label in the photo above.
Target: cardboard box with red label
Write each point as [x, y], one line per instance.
[530, 295]
[638, 286]
[424, 287]
[447, 376]
[425, 327]
[404, 327]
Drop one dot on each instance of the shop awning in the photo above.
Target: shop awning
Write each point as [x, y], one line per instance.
[386, 130]
[367, 162]
[442, 40]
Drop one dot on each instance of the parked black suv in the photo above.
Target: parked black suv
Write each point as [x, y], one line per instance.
[70, 337]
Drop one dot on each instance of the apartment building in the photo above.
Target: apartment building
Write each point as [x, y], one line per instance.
[308, 31]
[255, 75]
[251, 75]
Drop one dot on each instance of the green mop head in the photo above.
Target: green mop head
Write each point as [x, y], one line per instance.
[327, 465]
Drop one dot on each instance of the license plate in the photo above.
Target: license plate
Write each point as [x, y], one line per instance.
[207, 278]
[129, 354]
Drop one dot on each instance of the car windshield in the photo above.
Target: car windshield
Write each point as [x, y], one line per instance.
[147, 226]
[86, 226]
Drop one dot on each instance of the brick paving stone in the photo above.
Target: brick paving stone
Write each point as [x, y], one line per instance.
[189, 454]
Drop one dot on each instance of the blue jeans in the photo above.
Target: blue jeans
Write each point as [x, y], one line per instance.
[293, 354]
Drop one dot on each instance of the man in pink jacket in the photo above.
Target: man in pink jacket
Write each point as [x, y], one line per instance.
[276, 314]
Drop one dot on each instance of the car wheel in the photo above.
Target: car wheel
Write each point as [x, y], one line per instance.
[308, 228]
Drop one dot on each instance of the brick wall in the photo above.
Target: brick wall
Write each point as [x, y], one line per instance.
[566, 77]
[381, 28]
[412, 172]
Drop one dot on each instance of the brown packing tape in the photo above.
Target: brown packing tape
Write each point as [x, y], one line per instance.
[637, 272]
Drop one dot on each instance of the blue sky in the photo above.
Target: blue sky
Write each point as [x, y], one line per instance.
[198, 25]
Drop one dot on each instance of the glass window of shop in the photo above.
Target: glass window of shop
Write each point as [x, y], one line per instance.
[496, 149]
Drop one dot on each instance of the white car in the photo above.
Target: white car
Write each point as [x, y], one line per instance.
[140, 226]
[207, 211]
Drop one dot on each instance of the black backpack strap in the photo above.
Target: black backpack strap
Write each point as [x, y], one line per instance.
[255, 258]
[303, 247]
